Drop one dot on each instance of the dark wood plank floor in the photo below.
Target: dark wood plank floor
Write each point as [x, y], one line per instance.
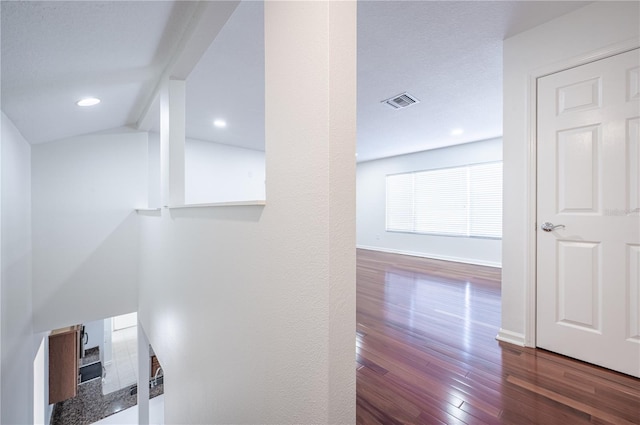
[427, 354]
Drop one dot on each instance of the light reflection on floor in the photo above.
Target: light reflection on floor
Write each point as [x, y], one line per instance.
[415, 293]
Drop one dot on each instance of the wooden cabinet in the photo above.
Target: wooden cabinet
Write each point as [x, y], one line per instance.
[155, 365]
[64, 349]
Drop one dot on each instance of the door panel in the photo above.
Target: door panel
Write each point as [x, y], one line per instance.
[579, 285]
[578, 154]
[633, 159]
[588, 292]
[633, 289]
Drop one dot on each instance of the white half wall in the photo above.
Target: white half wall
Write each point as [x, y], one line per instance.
[563, 42]
[85, 229]
[221, 173]
[16, 332]
[371, 198]
[251, 309]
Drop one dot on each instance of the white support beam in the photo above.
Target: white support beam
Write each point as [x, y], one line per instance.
[172, 139]
[206, 22]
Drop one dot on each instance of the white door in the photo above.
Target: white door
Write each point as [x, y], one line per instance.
[588, 271]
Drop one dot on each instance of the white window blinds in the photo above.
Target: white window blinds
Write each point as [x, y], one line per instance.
[460, 201]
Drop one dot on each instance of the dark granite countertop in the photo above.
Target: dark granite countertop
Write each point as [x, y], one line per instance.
[90, 405]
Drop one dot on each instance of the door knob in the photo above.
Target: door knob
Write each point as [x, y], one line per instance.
[550, 227]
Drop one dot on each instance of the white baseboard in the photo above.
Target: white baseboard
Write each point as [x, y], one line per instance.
[515, 338]
[432, 256]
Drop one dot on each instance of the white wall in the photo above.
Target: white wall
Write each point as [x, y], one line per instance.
[261, 300]
[42, 410]
[95, 330]
[85, 231]
[124, 321]
[16, 332]
[371, 193]
[220, 173]
[548, 47]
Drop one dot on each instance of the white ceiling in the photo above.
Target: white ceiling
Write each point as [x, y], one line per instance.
[56, 52]
[448, 54]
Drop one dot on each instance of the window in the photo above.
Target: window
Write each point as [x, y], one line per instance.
[459, 201]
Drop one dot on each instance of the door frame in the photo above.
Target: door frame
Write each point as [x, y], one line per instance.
[532, 168]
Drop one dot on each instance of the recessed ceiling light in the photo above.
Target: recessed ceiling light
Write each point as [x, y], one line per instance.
[220, 123]
[457, 132]
[88, 101]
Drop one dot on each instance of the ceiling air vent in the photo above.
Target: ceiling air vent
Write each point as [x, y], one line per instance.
[401, 101]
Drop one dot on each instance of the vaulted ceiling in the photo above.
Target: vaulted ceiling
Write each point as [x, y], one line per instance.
[447, 54]
[54, 53]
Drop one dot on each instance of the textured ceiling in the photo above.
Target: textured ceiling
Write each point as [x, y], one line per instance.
[448, 54]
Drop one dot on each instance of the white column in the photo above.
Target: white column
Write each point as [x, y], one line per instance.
[342, 70]
[144, 370]
[310, 120]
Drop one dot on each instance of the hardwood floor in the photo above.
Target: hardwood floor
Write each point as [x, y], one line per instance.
[427, 354]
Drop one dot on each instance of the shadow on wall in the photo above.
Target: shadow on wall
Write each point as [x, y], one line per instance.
[245, 213]
[103, 285]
